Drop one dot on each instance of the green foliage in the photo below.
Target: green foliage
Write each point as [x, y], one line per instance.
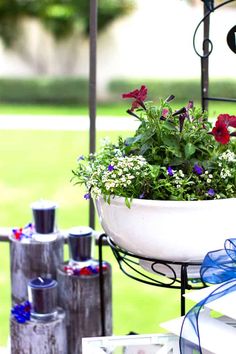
[44, 90]
[162, 140]
[75, 90]
[173, 155]
[60, 17]
[183, 89]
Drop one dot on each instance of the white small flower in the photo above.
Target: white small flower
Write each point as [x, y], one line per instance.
[225, 173]
[208, 180]
[129, 176]
[228, 156]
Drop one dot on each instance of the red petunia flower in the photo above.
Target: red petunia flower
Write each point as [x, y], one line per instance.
[221, 132]
[138, 95]
[230, 121]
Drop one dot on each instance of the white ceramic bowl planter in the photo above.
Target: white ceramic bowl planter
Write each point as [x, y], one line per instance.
[181, 231]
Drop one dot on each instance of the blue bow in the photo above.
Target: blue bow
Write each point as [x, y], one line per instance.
[218, 267]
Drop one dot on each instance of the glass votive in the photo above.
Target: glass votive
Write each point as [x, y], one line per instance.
[42, 293]
[44, 213]
[80, 243]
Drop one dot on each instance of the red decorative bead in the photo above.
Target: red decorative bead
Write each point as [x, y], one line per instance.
[85, 271]
[68, 270]
[104, 266]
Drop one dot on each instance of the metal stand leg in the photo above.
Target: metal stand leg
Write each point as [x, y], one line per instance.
[184, 284]
[101, 284]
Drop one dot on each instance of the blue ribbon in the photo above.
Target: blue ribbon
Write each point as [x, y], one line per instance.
[218, 267]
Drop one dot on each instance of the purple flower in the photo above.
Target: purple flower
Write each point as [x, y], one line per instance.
[190, 105]
[211, 192]
[170, 171]
[170, 98]
[181, 121]
[81, 157]
[87, 196]
[142, 196]
[197, 169]
[110, 168]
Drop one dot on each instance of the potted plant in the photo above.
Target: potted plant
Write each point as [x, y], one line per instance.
[168, 191]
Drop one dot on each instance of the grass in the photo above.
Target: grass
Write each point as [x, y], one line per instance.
[38, 165]
[114, 109]
[105, 109]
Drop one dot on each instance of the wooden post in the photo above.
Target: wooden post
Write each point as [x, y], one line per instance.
[37, 337]
[31, 260]
[80, 298]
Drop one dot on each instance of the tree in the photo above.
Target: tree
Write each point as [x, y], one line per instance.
[60, 17]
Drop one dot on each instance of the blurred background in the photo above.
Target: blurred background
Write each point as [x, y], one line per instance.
[45, 48]
[44, 70]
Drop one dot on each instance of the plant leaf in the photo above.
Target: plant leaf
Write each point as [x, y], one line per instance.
[144, 148]
[169, 125]
[127, 202]
[171, 141]
[189, 150]
[132, 140]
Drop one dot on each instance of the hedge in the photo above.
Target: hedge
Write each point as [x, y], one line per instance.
[75, 90]
[182, 89]
[44, 90]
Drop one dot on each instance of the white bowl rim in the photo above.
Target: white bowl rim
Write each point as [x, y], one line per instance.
[116, 200]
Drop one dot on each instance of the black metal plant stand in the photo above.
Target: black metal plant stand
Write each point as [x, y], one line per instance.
[162, 273]
[207, 48]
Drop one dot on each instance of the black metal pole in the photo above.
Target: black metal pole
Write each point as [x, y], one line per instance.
[101, 284]
[184, 285]
[205, 60]
[92, 91]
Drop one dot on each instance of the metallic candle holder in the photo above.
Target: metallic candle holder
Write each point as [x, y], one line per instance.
[80, 243]
[42, 293]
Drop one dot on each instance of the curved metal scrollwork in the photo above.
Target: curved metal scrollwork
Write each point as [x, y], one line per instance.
[160, 273]
[207, 43]
[156, 272]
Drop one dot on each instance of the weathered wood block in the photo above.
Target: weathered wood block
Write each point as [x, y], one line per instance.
[35, 337]
[79, 296]
[30, 260]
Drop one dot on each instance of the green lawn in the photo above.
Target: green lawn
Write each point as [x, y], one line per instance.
[116, 109]
[37, 165]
